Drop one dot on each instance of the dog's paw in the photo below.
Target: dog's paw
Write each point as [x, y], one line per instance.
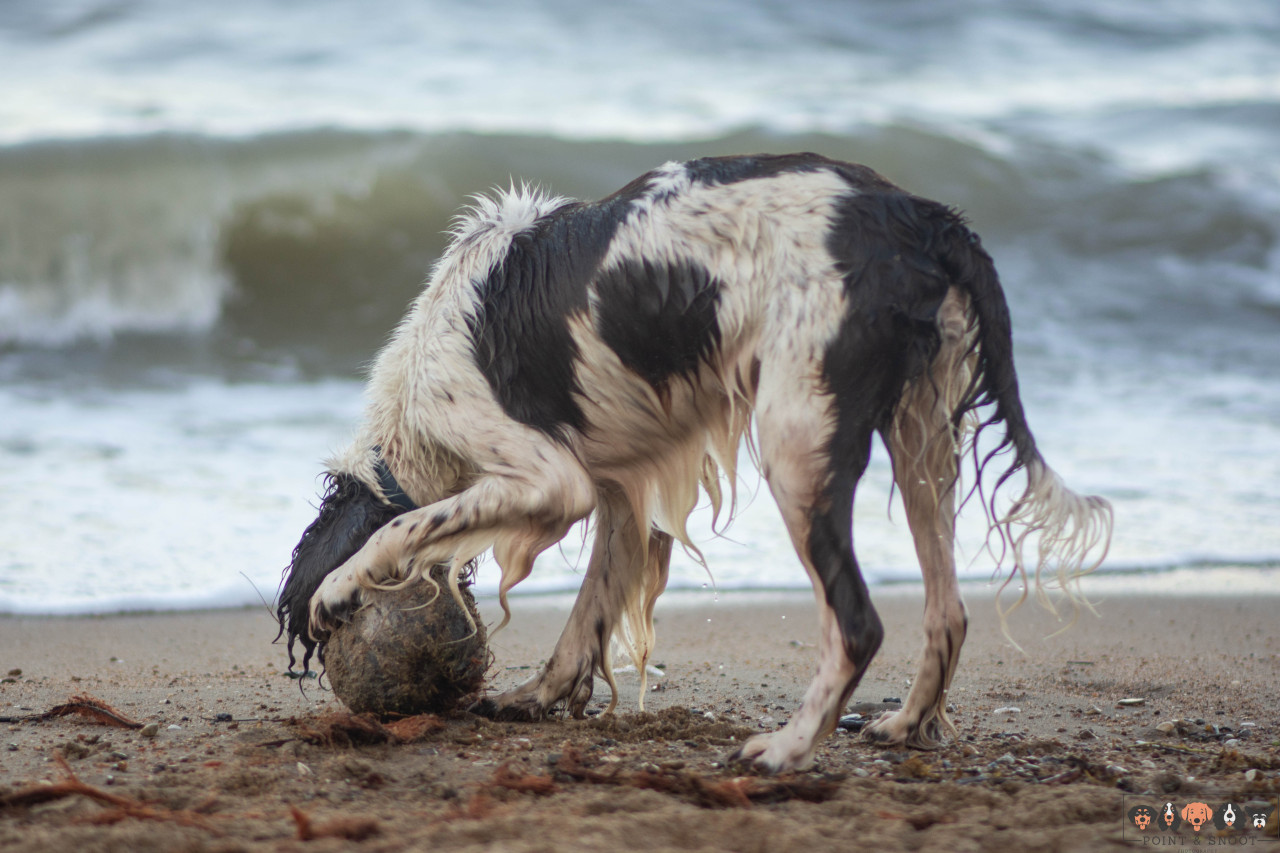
[891, 727]
[897, 729]
[498, 707]
[333, 604]
[775, 752]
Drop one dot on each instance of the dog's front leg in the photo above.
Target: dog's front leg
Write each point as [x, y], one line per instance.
[523, 519]
[624, 577]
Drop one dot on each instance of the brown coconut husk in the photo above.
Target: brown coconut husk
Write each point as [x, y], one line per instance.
[409, 651]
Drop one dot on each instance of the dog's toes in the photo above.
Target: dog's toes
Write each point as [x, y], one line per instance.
[332, 606]
[520, 711]
[765, 755]
[888, 728]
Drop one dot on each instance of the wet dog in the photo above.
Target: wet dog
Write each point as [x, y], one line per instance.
[570, 359]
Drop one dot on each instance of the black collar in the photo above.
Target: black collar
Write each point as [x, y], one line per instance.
[390, 488]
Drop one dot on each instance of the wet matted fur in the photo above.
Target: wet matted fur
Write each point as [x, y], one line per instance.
[569, 359]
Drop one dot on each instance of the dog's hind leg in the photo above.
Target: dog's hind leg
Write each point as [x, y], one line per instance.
[813, 454]
[924, 451]
[623, 580]
[518, 511]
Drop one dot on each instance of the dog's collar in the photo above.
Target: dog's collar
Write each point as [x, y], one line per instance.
[390, 488]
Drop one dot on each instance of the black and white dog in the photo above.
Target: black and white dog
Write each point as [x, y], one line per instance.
[569, 358]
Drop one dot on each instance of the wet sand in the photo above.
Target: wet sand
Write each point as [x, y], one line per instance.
[1045, 759]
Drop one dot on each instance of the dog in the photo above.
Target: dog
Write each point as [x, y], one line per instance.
[1140, 816]
[570, 359]
[1197, 814]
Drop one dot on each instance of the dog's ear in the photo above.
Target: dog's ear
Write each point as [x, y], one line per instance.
[349, 514]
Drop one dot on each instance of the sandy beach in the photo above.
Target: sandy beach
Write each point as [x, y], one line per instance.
[244, 760]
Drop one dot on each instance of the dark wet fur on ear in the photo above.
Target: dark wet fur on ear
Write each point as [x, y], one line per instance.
[349, 514]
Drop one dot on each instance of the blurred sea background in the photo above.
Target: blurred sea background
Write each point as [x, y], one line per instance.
[211, 215]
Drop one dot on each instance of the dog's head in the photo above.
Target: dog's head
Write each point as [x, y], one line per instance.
[1259, 820]
[350, 513]
[1169, 818]
[1141, 817]
[1197, 814]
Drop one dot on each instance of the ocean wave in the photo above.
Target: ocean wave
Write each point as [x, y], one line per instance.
[314, 242]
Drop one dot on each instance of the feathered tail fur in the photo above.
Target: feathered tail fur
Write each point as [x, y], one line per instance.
[1071, 532]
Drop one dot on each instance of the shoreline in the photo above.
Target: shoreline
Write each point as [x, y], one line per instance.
[1225, 579]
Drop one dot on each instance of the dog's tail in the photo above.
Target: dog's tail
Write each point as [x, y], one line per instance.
[1073, 531]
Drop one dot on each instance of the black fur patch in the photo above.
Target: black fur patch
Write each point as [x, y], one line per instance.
[731, 170]
[660, 319]
[349, 514]
[887, 247]
[521, 332]
[900, 254]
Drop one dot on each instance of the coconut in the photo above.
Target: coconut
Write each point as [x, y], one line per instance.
[410, 650]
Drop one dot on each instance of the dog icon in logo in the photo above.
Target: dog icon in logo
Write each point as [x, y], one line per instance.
[1169, 818]
[1141, 817]
[1229, 816]
[1197, 814]
[1259, 820]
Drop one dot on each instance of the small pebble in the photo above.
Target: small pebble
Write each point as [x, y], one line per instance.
[303, 770]
[852, 722]
[1131, 703]
[175, 728]
[150, 730]
[1231, 741]
[1166, 728]
[1250, 774]
[1008, 709]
